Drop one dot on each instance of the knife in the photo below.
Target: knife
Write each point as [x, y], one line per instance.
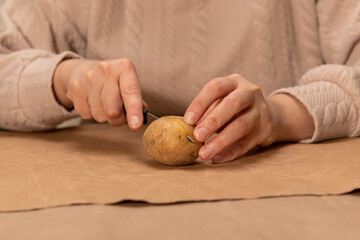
[145, 114]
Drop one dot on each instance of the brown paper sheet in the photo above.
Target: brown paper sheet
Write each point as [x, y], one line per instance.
[102, 164]
[326, 217]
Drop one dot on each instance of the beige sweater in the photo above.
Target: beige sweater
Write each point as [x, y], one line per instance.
[305, 48]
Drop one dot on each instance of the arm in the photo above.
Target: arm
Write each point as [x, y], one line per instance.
[325, 105]
[331, 92]
[32, 44]
[238, 111]
[99, 90]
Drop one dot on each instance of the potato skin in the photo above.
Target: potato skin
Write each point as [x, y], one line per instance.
[166, 141]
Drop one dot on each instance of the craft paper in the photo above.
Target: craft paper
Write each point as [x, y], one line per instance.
[97, 163]
[296, 218]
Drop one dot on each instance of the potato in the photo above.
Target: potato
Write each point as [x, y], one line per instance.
[166, 141]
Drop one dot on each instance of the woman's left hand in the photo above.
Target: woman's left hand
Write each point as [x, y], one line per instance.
[238, 111]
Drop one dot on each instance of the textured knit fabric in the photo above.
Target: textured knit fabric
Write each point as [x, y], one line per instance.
[309, 49]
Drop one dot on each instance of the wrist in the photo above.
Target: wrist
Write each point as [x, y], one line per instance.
[293, 121]
[60, 80]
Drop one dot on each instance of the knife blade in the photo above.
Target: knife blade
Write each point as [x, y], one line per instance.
[145, 114]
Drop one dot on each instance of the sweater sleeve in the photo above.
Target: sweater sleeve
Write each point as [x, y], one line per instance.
[331, 92]
[37, 35]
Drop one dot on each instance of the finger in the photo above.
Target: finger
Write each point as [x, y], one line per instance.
[78, 94]
[213, 90]
[118, 121]
[232, 104]
[82, 107]
[111, 98]
[96, 107]
[236, 149]
[131, 95]
[94, 99]
[210, 109]
[236, 130]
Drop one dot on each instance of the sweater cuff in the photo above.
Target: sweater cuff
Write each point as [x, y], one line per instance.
[332, 109]
[36, 95]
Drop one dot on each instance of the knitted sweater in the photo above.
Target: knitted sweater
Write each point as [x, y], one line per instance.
[309, 49]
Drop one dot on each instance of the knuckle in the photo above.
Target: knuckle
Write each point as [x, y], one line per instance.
[235, 76]
[113, 113]
[215, 85]
[257, 90]
[132, 107]
[74, 86]
[196, 104]
[105, 66]
[97, 112]
[131, 90]
[235, 101]
[88, 76]
[117, 122]
[84, 114]
[126, 64]
[213, 122]
[99, 117]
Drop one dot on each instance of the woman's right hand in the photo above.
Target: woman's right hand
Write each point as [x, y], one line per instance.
[98, 89]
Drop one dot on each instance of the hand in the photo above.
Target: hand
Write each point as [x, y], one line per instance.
[237, 109]
[98, 90]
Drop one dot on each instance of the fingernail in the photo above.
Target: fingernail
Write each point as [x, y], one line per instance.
[218, 159]
[205, 153]
[190, 118]
[135, 121]
[201, 134]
